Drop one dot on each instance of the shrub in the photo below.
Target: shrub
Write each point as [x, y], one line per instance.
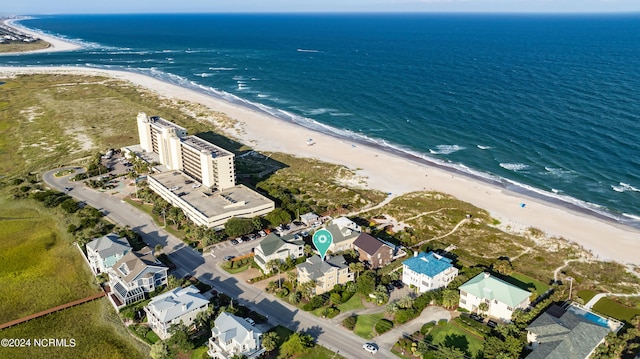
[307, 307]
[330, 312]
[405, 315]
[383, 326]
[427, 327]
[350, 322]
[318, 301]
[442, 322]
[346, 295]
[336, 298]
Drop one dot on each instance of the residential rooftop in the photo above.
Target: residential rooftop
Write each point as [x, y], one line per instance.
[161, 122]
[429, 264]
[204, 146]
[317, 268]
[490, 287]
[177, 302]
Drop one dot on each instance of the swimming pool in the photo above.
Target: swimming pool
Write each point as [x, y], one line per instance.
[592, 317]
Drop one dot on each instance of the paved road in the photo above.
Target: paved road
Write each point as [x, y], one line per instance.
[206, 269]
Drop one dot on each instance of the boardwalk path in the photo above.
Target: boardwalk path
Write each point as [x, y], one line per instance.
[52, 310]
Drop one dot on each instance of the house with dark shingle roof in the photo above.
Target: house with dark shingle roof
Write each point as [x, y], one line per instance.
[273, 247]
[373, 252]
[428, 271]
[326, 274]
[563, 333]
[104, 252]
[135, 275]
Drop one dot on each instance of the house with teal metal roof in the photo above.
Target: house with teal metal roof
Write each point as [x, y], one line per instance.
[502, 298]
[428, 271]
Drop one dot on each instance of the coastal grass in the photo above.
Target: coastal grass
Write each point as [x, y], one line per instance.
[458, 337]
[538, 287]
[20, 46]
[95, 327]
[40, 268]
[365, 323]
[606, 276]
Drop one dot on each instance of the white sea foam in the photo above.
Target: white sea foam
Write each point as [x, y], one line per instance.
[222, 68]
[308, 50]
[632, 216]
[446, 149]
[484, 147]
[204, 74]
[515, 167]
[340, 114]
[624, 187]
[262, 95]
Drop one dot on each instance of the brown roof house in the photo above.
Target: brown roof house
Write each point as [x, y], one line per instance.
[374, 252]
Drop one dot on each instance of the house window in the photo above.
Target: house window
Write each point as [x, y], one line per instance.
[463, 294]
[487, 301]
[495, 301]
[462, 301]
[510, 309]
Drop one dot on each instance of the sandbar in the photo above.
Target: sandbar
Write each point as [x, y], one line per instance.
[56, 43]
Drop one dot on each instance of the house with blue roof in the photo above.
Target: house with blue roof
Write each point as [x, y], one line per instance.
[428, 271]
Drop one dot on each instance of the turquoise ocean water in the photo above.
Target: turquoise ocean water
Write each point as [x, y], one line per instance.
[547, 105]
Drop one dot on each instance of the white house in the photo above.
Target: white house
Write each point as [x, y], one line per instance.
[105, 251]
[134, 275]
[428, 271]
[326, 274]
[501, 297]
[273, 247]
[176, 306]
[231, 336]
[344, 232]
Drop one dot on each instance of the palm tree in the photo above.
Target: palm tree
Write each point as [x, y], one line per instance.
[405, 302]
[392, 308]
[275, 264]
[450, 298]
[483, 307]
[356, 267]
[307, 288]
[270, 341]
[292, 275]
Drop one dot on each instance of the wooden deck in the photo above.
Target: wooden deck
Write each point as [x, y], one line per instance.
[52, 310]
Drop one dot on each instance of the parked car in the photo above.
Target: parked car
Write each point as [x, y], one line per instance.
[228, 258]
[250, 321]
[234, 242]
[477, 318]
[492, 324]
[370, 347]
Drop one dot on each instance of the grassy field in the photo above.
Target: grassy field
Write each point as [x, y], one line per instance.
[458, 337]
[353, 303]
[23, 46]
[613, 309]
[365, 323]
[40, 269]
[94, 326]
[531, 283]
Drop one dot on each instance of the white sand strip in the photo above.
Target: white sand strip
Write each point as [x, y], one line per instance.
[57, 44]
[395, 174]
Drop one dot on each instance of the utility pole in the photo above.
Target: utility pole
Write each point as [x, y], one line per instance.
[570, 279]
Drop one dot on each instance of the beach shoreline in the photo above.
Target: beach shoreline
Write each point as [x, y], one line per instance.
[394, 173]
[56, 44]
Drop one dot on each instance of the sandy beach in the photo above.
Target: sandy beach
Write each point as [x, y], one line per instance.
[394, 174]
[56, 43]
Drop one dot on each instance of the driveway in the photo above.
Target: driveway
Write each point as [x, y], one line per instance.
[429, 314]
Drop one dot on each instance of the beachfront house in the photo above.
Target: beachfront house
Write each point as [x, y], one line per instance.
[344, 232]
[428, 271]
[134, 276]
[273, 247]
[310, 219]
[180, 305]
[502, 298]
[567, 333]
[326, 274]
[375, 253]
[104, 252]
[232, 336]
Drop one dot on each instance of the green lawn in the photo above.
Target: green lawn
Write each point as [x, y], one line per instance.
[353, 303]
[95, 327]
[540, 287]
[317, 352]
[40, 269]
[458, 337]
[365, 323]
[615, 310]
[200, 353]
[587, 294]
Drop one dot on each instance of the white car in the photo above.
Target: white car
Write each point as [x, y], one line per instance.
[370, 347]
[250, 321]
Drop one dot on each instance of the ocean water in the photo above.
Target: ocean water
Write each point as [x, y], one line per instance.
[547, 105]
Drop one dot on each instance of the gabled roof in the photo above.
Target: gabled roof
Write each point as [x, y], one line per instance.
[176, 303]
[109, 245]
[566, 336]
[137, 265]
[317, 268]
[272, 243]
[341, 234]
[369, 244]
[228, 327]
[429, 264]
[489, 287]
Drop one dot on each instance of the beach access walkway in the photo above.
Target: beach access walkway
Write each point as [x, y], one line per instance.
[52, 310]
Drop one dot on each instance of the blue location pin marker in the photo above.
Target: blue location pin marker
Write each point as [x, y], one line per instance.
[322, 239]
